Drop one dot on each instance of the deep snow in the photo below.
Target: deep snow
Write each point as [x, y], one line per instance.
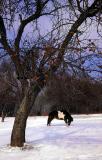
[80, 141]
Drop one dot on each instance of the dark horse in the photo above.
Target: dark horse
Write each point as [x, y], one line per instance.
[61, 115]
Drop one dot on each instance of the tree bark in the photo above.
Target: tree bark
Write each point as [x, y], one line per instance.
[18, 132]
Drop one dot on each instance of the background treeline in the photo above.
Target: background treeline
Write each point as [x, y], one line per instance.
[75, 94]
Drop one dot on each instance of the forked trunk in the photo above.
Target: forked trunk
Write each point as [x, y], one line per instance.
[18, 132]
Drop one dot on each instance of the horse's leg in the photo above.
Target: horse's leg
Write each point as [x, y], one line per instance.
[65, 119]
[50, 118]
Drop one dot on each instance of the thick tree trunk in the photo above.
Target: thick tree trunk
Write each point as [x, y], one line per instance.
[18, 132]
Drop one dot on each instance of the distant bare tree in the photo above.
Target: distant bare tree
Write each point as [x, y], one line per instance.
[10, 91]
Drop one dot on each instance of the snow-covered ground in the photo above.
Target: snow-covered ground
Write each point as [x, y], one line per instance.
[80, 141]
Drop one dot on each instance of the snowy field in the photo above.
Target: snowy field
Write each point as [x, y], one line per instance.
[80, 141]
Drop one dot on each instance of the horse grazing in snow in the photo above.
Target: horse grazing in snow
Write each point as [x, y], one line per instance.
[61, 115]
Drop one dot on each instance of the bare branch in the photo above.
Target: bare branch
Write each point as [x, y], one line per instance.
[90, 12]
[3, 39]
[79, 7]
[36, 15]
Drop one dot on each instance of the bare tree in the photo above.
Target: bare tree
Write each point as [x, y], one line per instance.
[49, 60]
